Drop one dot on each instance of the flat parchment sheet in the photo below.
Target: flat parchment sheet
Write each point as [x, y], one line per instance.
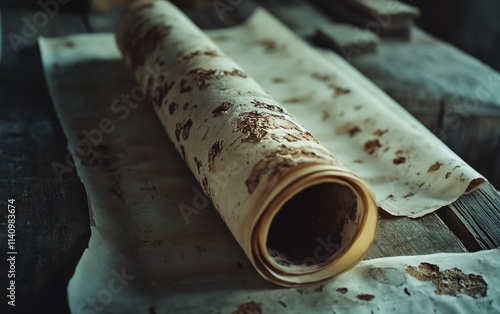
[165, 249]
[410, 170]
[439, 283]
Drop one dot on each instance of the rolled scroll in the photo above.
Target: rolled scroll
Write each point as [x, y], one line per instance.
[299, 215]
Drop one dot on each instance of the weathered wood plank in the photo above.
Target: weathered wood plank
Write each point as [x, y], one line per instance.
[475, 218]
[52, 217]
[386, 18]
[392, 9]
[344, 38]
[405, 236]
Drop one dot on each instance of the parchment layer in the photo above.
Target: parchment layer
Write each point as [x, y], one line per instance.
[227, 128]
[410, 170]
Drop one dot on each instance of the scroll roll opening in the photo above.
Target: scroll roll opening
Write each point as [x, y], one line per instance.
[316, 226]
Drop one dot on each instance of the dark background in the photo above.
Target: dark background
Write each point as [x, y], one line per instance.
[471, 25]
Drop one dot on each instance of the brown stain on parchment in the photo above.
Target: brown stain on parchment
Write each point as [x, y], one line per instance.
[409, 195]
[452, 281]
[204, 137]
[161, 92]
[320, 77]
[255, 125]
[172, 107]
[380, 132]
[137, 47]
[204, 76]
[251, 307]
[198, 163]
[302, 136]
[339, 91]
[221, 109]
[435, 167]
[399, 160]
[68, 44]
[365, 297]
[371, 146]
[353, 131]
[264, 105]
[214, 152]
[270, 45]
[182, 129]
[184, 88]
[276, 162]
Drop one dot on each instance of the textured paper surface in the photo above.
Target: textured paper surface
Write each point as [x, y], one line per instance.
[170, 265]
[284, 190]
[410, 170]
[173, 263]
[464, 283]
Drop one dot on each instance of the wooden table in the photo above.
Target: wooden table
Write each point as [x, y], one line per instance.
[52, 219]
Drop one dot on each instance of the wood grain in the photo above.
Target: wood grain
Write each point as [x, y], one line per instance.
[52, 217]
[405, 236]
[344, 38]
[475, 218]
